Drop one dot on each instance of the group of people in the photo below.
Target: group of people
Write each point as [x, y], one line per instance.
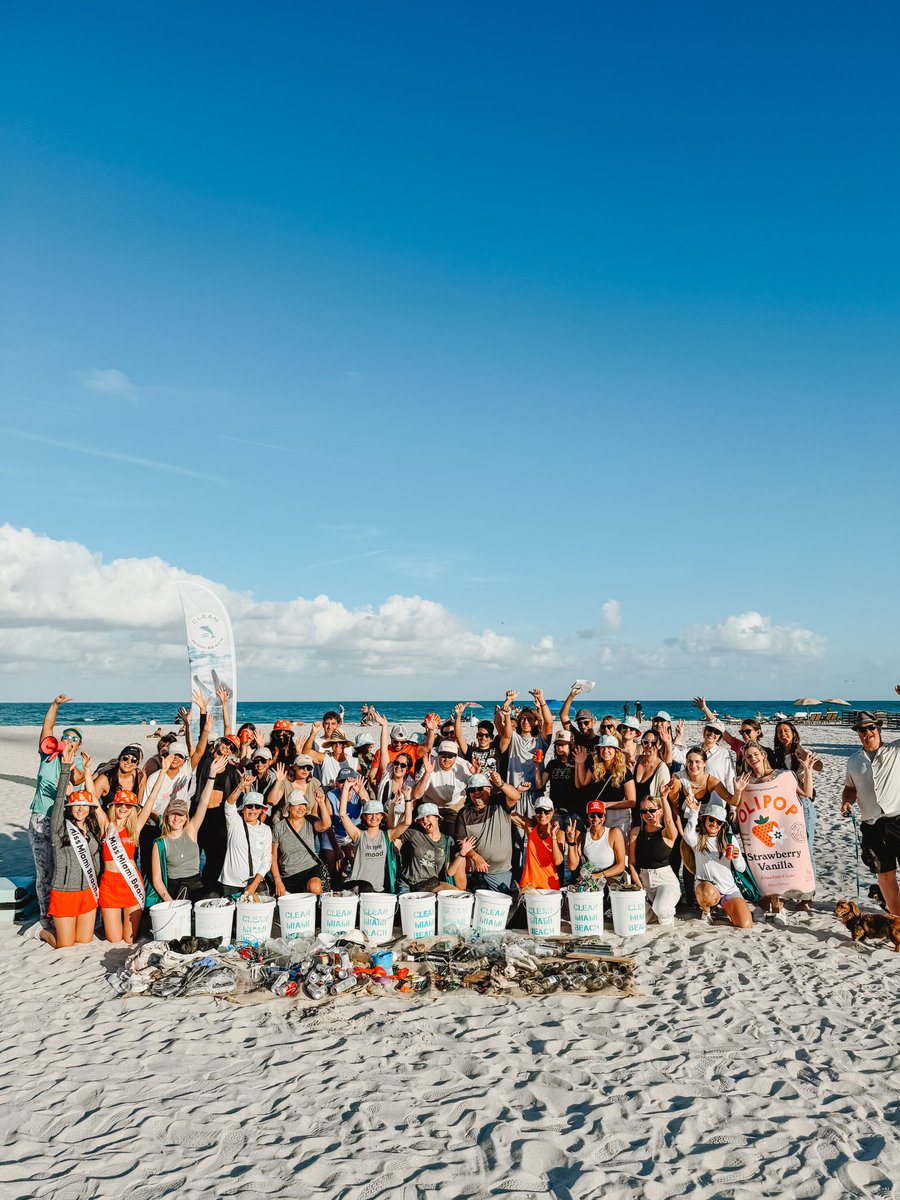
[525, 800]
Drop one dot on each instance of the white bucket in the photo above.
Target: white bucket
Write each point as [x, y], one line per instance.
[254, 919]
[297, 915]
[491, 911]
[454, 912]
[338, 913]
[544, 908]
[213, 918]
[629, 913]
[376, 915]
[171, 919]
[586, 913]
[417, 914]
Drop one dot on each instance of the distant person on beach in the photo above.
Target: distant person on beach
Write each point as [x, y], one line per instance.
[40, 834]
[77, 827]
[873, 782]
[639, 711]
[626, 710]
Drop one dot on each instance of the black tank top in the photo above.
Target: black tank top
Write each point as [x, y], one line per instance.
[651, 852]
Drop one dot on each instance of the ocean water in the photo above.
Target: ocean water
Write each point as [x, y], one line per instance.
[409, 711]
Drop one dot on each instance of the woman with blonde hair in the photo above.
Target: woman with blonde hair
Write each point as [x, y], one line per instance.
[716, 856]
[175, 862]
[608, 779]
[122, 891]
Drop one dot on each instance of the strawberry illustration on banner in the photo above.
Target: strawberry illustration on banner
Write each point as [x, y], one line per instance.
[773, 835]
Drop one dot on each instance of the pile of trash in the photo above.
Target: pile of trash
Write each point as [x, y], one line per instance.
[323, 968]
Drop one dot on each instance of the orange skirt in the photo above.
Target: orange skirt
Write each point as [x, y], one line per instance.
[115, 892]
[72, 904]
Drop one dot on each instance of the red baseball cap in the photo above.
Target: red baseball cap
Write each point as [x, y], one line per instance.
[596, 806]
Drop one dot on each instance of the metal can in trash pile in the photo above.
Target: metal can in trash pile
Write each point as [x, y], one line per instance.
[315, 991]
[342, 985]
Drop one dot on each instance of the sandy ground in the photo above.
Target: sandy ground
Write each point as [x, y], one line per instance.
[754, 1064]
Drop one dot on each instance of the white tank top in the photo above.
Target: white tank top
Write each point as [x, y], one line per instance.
[598, 851]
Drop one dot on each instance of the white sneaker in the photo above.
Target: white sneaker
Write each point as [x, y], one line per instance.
[780, 919]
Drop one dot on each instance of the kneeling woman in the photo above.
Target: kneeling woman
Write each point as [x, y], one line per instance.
[76, 830]
[545, 849]
[600, 851]
[175, 865]
[427, 859]
[121, 887]
[649, 847]
[374, 865]
[717, 856]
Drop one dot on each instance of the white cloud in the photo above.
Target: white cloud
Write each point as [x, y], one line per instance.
[611, 612]
[62, 604]
[111, 382]
[751, 634]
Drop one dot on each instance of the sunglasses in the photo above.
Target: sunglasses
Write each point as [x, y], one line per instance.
[609, 727]
[713, 732]
[648, 812]
[584, 721]
[866, 728]
[302, 767]
[403, 766]
[482, 733]
[128, 758]
[70, 737]
[478, 789]
[650, 744]
[598, 816]
[715, 820]
[747, 732]
[256, 807]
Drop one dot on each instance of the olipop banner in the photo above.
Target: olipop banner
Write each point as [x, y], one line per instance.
[773, 835]
[210, 643]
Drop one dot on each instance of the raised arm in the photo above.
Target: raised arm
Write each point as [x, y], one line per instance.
[398, 830]
[583, 774]
[544, 713]
[669, 832]
[308, 746]
[351, 830]
[58, 816]
[457, 728]
[567, 705]
[383, 747]
[202, 742]
[700, 702]
[205, 796]
[421, 784]
[51, 714]
[224, 694]
[503, 720]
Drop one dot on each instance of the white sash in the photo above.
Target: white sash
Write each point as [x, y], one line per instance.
[127, 869]
[83, 854]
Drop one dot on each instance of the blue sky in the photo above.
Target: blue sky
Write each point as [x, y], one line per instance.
[518, 310]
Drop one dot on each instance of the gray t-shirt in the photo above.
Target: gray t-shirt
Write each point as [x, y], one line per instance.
[370, 860]
[422, 858]
[293, 857]
[491, 827]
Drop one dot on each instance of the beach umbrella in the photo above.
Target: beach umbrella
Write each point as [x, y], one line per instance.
[806, 702]
[834, 700]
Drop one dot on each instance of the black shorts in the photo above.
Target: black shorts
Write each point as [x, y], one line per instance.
[298, 883]
[881, 844]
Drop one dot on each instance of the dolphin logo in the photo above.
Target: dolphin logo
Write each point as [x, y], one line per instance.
[207, 630]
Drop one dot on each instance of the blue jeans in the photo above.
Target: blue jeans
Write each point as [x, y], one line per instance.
[493, 881]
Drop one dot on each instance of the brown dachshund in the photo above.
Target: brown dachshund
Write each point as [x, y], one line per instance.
[863, 926]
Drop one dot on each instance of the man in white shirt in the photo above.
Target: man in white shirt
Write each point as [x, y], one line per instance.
[443, 784]
[719, 760]
[873, 782]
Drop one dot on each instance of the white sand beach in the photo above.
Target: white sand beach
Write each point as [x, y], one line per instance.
[758, 1063]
